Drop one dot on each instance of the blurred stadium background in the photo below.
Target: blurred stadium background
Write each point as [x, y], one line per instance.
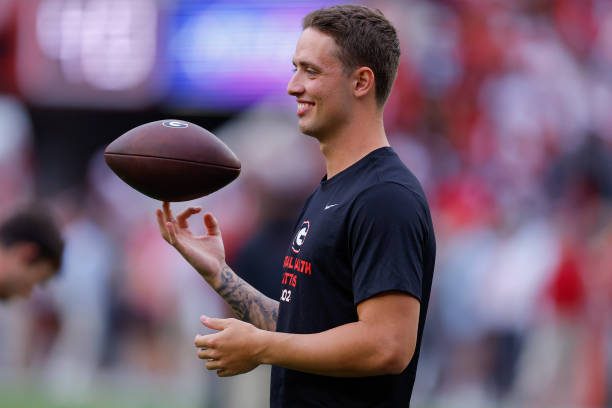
[503, 109]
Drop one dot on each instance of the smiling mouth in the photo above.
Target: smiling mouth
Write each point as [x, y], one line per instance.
[303, 108]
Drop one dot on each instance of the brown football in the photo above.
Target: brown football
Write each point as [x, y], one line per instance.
[172, 160]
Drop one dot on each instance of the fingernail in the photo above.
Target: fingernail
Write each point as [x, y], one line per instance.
[203, 318]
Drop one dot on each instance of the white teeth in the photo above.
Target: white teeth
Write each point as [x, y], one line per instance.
[303, 107]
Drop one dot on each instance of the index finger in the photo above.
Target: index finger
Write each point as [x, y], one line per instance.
[167, 211]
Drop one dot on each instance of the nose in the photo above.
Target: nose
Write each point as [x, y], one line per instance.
[295, 87]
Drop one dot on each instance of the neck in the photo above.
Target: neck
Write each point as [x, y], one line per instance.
[352, 143]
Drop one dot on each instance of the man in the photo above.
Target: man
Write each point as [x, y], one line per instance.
[30, 252]
[357, 275]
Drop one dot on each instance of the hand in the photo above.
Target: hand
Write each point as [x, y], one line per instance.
[233, 350]
[205, 253]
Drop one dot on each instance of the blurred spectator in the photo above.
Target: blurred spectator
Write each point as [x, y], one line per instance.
[72, 363]
[31, 251]
[31, 248]
[16, 166]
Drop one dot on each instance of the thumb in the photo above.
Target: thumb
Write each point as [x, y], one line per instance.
[212, 226]
[214, 323]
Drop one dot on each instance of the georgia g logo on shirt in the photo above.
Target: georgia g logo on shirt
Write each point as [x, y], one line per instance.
[300, 237]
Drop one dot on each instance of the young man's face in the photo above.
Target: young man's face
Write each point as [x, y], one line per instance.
[321, 86]
[19, 273]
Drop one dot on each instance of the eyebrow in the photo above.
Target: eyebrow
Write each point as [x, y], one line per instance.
[306, 65]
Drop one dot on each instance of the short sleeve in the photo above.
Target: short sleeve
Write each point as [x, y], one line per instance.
[387, 231]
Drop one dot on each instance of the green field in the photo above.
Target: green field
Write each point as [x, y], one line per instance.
[20, 396]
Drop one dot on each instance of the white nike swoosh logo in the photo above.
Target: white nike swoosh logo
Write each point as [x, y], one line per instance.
[327, 207]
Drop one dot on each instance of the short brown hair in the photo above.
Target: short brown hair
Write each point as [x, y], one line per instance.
[34, 224]
[365, 38]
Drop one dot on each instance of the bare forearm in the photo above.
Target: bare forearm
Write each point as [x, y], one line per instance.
[350, 350]
[247, 303]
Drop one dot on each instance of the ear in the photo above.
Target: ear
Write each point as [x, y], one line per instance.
[363, 81]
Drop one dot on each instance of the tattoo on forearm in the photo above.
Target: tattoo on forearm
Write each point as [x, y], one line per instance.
[247, 303]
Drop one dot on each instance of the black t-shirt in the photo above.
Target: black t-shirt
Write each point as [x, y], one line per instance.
[365, 231]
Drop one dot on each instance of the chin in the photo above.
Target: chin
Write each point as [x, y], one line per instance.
[321, 137]
[306, 130]
[310, 131]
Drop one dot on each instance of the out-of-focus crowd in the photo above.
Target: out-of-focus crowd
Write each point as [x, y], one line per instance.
[504, 111]
[501, 109]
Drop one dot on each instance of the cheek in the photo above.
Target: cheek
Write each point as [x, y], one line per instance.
[14, 275]
[340, 104]
[332, 100]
